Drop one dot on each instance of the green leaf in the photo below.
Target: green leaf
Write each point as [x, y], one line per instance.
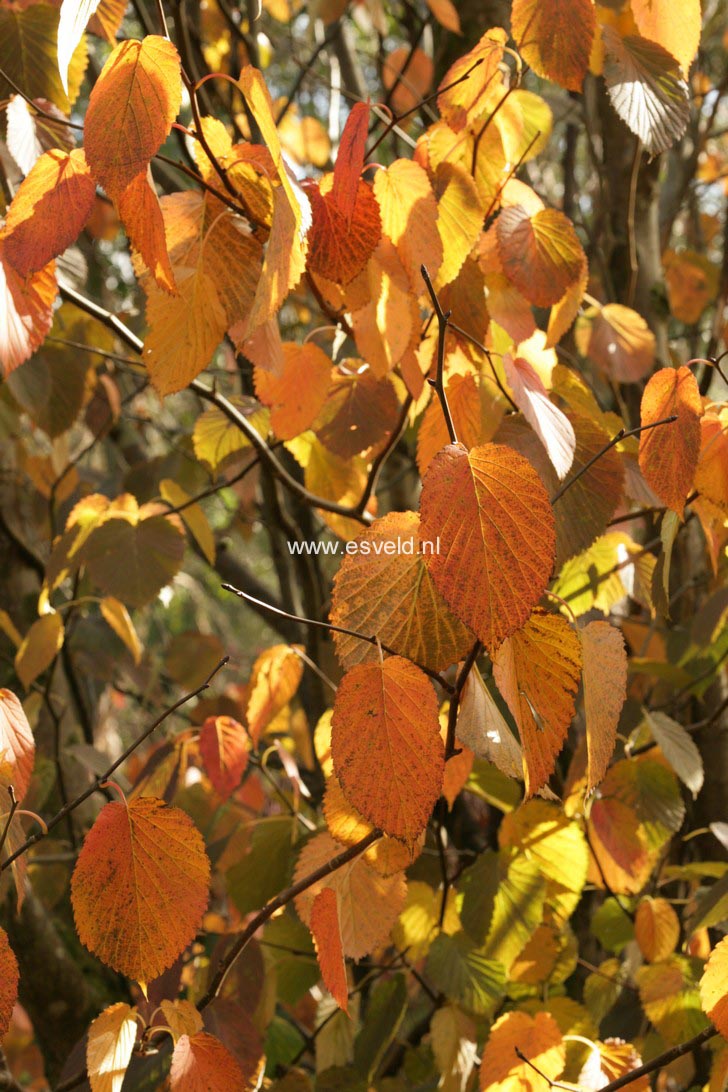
[458, 967]
[266, 867]
[385, 1012]
[134, 561]
[679, 749]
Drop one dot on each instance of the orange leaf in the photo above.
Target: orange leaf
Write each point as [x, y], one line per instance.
[555, 38]
[131, 109]
[676, 27]
[8, 982]
[325, 931]
[368, 904]
[109, 1047]
[605, 692]
[200, 1063]
[468, 99]
[338, 246]
[274, 680]
[298, 391]
[384, 311]
[141, 215]
[26, 311]
[383, 587]
[656, 929]
[711, 478]
[350, 160]
[407, 87]
[140, 886]
[457, 768]
[477, 408]
[496, 536]
[387, 855]
[540, 253]
[537, 671]
[609, 1060]
[537, 1037]
[360, 412]
[17, 746]
[446, 14]
[714, 987]
[386, 745]
[669, 454]
[49, 210]
[224, 749]
[692, 282]
[619, 341]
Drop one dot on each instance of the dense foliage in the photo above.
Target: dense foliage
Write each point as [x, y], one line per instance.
[363, 538]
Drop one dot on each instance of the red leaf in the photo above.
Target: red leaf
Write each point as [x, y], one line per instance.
[224, 748]
[350, 160]
[339, 248]
[327, 938]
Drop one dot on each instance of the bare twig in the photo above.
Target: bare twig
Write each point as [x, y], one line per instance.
[438, 382]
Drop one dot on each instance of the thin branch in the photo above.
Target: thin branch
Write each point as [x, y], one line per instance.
[662, 1060]
[486, 352]
[452, 716]
[370, 640]
[95, 787]
[551, 1083]
[621, 435]
[277, 903]
[11, 813]
[438, 382]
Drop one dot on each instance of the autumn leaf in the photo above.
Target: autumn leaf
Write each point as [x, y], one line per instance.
[8, 982]
[117, 616]
[678, 747]
[656, 929]
[296, 393]
[605, 690]
[132, 557]
[29, 134]
[538, 1039]
[496, 536]
[350, 160]
[141, 214]
[131, 109]
[467, 99]
[339, 246]
[182, 1018]
[273, 682]
[140, 886]
[384, 588]
[40, 646]
[676, 29]
[555, 38]
[327, 937]
[619, 340]
[346, 825]
[111, 1038]
[551, 425]
[17, 746]
[224, 749]
[409, 215]
[609, 1060]
[669, 453]
[200, 1063]
[49, 210]
[360, 411]
[482, 727]
[713, 992]
[459, 219]
[386, 745]
[367, 904]
[538, 671]
[540, 252]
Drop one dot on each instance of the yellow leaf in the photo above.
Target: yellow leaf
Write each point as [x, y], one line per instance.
[111, 1038]
[40, 646]
[117, 616]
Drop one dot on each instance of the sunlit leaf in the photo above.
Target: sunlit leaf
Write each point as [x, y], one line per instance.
[537, 1037]
[115, 613]
[675, 28]
[496, 536]
[111, 1038]
[619, 340]
[297, 393]
[386, 745]
[327, 937]
[713, 989]
[657, 929]
[26, 311]
[669, 453]
[604, 662]
[555, 38]
[273, 682]
[551, 425]
[540, 252]
[468, 98]
[8, 982]
[17, 746]
[143, 867]
[200, 1063]
[409, 215]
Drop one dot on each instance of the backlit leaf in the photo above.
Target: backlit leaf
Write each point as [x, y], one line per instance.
[359, 414]
[327, 937]
[540, 253]
[670, 997]
[555, 844]
[647, 89]
[115, 613]
[468, 98]
[454, 1045]
[133, 559]
[8, 982]
[131, 109]
[692, 283]
[419, 923]
[619, 340]
[669, 453]
[340, 247]
[17, 746]
[714, 988]
[224, 749]
[48, 211]
[678, 747]
[182, 1018]
[608, 1061]
[110, 1043]
[484, 729]
[72, 22]
[386, 745]
[605, 689]
[555, 38]
[538, 671]
[29, 134]
[409, 215]
[476, 407]
[368, 904]
[142, 870]
[40, 646]
[274, 680]
[28, 54]
[200, 1063]
[383, 587]
[141, 215]
[464, 974]
[387, 855]
[675, 28]
[26, 311]
[656, 928]
[297, 393]
[216, 437]
[350, 160]
[191, 515]
[459, 219]
[496, 533]
[537, 1037]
